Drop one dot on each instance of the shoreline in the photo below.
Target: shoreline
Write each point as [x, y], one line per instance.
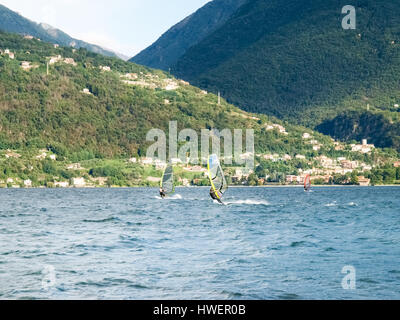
[182, 187]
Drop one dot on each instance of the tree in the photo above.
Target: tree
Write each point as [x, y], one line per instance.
[318, 181]
[388, 175]
[354, 178]
[49, 167]
[252, 180]
[376, 177]
[261, 171]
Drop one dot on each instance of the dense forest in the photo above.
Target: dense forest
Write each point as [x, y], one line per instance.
[357, 125]
[293, 60]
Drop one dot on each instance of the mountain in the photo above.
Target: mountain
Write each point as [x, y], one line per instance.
[86, 115]
[11, 21]
[123, 101]
[166, 51]
[292, 59]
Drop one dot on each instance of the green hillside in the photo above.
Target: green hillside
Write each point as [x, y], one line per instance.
[40, 109]
[97, 110]
[293, 60]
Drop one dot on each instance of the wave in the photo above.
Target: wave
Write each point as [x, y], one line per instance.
[331, 204]
[232, 295]
[289, 296]
[173, 197]
[295, 244]
[249, 202]
[102, 220]
[335, 204]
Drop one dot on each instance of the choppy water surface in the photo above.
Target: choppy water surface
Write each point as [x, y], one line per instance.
[267, 243]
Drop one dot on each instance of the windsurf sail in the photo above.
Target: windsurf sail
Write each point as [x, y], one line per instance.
[167, 181]
[216, 176]
[307, 183]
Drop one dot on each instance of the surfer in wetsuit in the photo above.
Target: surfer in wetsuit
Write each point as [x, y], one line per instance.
[162, 193]
[214, 196]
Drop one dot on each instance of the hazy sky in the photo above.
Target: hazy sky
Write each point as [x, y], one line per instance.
[126, 26]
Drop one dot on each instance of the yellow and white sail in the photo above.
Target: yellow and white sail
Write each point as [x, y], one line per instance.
[216, 176]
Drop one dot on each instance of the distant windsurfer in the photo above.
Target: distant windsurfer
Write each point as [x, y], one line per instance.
[162, 193]
[214, 196]
[307, 183]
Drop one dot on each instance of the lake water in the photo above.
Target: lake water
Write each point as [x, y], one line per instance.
[267, 243]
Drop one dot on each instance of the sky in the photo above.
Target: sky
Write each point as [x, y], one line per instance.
[125, 26]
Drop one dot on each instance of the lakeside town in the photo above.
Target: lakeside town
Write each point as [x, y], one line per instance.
[58, 173]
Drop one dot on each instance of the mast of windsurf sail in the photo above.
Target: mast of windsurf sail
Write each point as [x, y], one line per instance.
[216, 176]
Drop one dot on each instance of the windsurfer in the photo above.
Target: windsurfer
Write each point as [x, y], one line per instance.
[307, 183]
[162, 193]
[214, 196]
